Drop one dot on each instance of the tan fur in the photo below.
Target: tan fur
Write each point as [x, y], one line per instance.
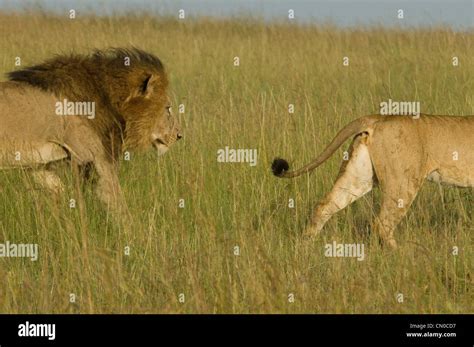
[398, 153]
[132, 112]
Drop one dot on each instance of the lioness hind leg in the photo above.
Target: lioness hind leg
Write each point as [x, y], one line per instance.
[355, 180]
[396, 201]
[48, 180]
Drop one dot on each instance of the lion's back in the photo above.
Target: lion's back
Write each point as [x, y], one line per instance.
[27, 112]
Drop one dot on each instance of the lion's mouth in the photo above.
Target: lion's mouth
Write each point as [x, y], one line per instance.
[160, 146]
[159, 141]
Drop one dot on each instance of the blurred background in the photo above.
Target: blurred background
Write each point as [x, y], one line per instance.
[457, 14]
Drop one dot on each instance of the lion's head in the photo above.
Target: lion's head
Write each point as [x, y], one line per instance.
[148, 115]
[129, 87]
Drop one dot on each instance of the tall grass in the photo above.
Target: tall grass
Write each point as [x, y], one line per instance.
[191, 250]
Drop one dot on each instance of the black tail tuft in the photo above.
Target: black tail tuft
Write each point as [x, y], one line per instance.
[279, 166]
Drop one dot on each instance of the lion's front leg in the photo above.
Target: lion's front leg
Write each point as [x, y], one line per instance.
[110, 193]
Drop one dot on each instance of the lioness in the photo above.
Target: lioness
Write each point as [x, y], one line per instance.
[397, 153]
[42, 120]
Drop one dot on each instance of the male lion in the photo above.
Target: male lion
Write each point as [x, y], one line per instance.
[127, 90]
[397, 153]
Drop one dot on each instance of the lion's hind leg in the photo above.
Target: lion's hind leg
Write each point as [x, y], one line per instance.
[355, 179]
[396, 200]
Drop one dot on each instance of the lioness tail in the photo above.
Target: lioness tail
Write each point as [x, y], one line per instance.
[280, 166]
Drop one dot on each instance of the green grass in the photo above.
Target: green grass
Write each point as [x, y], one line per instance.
[191, 250]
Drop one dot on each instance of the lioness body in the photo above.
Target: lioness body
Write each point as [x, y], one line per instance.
[439, 148]
[398, 153]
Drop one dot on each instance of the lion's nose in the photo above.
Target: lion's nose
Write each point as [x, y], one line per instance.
[179, 136]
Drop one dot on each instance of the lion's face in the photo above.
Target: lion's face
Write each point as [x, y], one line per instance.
[149, 119]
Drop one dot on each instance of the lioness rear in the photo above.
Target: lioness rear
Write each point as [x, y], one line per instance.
[398, 153]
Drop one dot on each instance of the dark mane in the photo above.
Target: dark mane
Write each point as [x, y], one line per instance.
[136, 55]
[45, 75]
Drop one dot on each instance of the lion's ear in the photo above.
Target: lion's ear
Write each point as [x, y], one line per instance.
[146, 88]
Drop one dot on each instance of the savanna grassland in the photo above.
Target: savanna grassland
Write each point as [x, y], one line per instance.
[191, 250]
